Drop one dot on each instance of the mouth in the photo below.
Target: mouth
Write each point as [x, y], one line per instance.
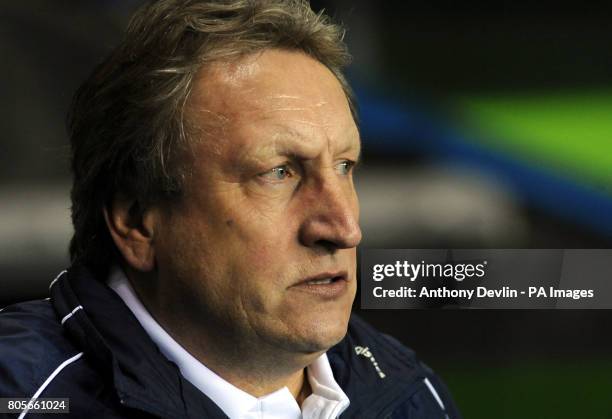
[324, 278]
[322, 281]
[327, 285]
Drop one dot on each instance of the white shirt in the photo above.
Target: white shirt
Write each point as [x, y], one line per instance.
[327, 400]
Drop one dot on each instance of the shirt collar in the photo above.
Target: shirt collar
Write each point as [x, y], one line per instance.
[326, 401]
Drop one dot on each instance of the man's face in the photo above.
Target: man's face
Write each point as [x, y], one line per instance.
[262, 248]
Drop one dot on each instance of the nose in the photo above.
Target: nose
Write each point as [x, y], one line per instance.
[332, 220]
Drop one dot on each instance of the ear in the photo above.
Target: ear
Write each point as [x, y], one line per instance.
[132, 229]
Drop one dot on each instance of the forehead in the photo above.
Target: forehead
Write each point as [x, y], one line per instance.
[282, 88]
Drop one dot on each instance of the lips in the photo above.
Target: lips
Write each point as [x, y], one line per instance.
[320, 281]
[325, 278]
[327, 285]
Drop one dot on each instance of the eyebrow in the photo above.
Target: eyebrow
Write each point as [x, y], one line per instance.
[301, 146]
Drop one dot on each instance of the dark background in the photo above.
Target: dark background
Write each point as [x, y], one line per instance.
[415, 63]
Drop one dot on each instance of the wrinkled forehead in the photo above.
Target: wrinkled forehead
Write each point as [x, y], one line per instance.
[267, 85]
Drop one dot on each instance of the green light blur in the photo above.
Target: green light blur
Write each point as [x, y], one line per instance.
[567, 132]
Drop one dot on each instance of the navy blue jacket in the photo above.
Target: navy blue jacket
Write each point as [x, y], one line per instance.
[85, 344]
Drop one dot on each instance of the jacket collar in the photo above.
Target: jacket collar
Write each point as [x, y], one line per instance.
[375, 371]
[111, 337]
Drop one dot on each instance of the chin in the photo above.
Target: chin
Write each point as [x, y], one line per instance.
[320, 335]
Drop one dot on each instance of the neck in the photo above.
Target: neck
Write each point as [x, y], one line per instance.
[257, 386]
[258, 373]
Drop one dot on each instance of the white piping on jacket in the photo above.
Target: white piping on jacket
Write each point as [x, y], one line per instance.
[48, 380]
[56, 278]
[434, 392]
[69, 315]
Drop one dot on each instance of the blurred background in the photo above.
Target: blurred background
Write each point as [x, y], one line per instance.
[484, 125]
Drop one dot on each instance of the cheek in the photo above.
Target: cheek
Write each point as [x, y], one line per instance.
[262, 256]
[262, 239]
[185, 252]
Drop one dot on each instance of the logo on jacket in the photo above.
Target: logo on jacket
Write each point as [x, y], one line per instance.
[365, 352]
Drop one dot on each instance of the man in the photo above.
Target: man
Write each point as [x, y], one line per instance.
[216, 225]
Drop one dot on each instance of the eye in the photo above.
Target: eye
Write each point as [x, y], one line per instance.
[278, 173]
[345, 167]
